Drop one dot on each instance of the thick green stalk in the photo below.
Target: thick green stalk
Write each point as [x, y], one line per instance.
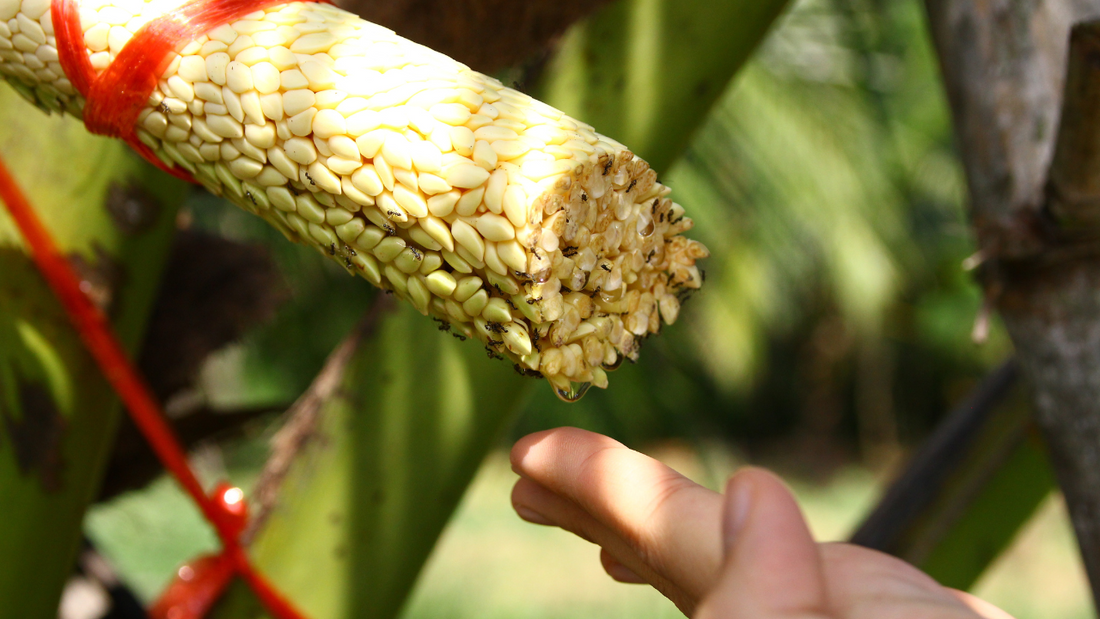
[964, 496]
[647, 72]
[394, 447]
[969, 540]
[114, 215]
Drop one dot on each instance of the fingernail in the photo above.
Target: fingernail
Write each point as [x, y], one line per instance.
[532, 516]
[739, 494]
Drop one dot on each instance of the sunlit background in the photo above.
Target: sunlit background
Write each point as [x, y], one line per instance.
[833, 332]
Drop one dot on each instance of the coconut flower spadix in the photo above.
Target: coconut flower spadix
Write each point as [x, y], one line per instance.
[514, 224]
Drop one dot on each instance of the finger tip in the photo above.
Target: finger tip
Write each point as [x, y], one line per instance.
[982, 608]
[529, 515]
[756, 473]
[761, 481]
[521, 490]
[522, 449]
[527, 497]
[617, 571]
[755, 496]
[537, 448]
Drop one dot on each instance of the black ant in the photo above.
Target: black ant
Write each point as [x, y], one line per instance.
[522, 371]
[684, 294]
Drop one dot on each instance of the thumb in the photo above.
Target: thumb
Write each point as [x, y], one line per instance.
[772, 569]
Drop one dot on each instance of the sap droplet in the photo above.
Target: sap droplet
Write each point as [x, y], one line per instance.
[575, 392]
[611, 367]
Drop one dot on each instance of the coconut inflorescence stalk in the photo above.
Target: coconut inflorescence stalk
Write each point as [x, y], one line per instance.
[486, 209]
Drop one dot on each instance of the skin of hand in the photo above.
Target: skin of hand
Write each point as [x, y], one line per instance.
[747, 554]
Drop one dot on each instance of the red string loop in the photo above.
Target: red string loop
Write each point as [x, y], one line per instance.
[196, 589]
[114, 99]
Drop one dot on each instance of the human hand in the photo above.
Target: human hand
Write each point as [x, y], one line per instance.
[745, 555]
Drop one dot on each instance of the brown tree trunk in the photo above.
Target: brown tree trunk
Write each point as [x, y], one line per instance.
[1028, 138]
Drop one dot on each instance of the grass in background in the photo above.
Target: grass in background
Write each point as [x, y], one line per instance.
[1041, 575]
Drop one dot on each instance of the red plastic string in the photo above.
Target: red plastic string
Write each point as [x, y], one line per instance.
[113, 101]
[226, 516]
[198, 586]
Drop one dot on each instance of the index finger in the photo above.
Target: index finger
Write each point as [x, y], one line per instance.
[672, 523]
